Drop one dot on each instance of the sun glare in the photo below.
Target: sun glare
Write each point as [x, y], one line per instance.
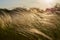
[48, 1]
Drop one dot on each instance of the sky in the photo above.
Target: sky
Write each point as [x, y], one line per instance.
[27, 3]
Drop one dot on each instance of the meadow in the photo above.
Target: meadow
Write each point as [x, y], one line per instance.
[29, 24]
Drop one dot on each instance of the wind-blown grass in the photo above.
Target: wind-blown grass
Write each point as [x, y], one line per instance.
[24, 24]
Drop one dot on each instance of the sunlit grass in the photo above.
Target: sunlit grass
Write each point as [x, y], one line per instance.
[23, 24]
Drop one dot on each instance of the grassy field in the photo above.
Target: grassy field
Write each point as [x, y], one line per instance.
[29, 24]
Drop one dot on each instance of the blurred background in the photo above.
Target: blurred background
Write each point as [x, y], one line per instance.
[42, 4]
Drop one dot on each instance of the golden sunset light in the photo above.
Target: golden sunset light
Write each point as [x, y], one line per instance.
[43, 4]
[29, 19]
[48, 1]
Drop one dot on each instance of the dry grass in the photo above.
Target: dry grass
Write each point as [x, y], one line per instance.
[23, 24]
